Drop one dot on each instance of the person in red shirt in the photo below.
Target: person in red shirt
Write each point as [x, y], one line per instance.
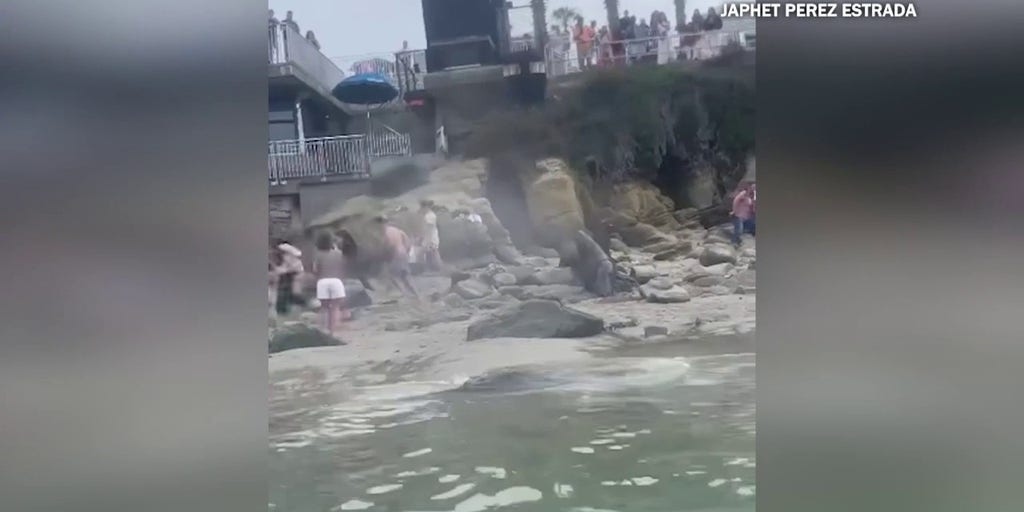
[743, 213]
[583, 36]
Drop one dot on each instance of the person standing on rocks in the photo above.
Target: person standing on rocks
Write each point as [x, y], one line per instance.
[398, 247]
[743, 213]
[286, 271]
[430, 240]
[328, 266]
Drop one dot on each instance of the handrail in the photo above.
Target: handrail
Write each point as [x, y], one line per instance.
[339, 155]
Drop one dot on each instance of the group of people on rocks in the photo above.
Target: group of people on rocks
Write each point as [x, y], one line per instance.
[334, 260]
[633, 41]
[289, 21]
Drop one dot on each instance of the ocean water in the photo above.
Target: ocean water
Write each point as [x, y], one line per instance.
[659, 428]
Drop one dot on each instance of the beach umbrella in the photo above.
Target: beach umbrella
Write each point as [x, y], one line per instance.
[365, 89]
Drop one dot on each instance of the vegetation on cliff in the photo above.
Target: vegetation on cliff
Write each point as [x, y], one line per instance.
[657, 123]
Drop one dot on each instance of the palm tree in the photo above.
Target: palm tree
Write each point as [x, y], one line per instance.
[612, 6]
[565, 16]
[540, 24]
[680, 14]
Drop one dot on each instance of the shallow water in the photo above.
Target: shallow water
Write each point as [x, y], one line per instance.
[645, 430]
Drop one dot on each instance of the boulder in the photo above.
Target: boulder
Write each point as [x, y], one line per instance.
[687, 216]
[564, 293]
[517, 292]
[676, 250]
[644, 202]
[535, 319]
[494, 302]
[538, 261]
[554, 208]
[660, 283]
[508, 254]
[718, 253]
[454, 301]
[551, 276]
[618, 245]
[720, 269]
[393, 175]
[655, 330]
[673, 295]
[294, 335]
[643, 273]
[471, 289]
[521, 273]
[707, 281]
[504, 279]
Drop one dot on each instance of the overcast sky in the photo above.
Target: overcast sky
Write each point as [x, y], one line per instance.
[357, 27]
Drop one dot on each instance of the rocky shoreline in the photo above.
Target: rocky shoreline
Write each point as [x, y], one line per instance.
[498, 308]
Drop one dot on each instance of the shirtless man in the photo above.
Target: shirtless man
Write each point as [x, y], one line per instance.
[399, 245]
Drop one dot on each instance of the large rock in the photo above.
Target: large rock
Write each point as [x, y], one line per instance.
[521, 273]
[671, 296]
[504, 279]
[564, 293]
[660, 283]
[554, 208]
[508, 254]
[644, 273]
[294, 335]
[536, 319]
[675, 251]
[717, 253]
[551, 276]
[643, 202]
[471, 289]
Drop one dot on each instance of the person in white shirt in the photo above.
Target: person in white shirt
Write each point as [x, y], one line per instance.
[430, 240]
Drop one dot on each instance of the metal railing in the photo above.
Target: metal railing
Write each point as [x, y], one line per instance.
[562, 60]
[287, 46]
[323, 157]
[411, 66]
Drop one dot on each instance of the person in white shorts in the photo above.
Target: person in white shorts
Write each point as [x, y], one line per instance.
[328, 265]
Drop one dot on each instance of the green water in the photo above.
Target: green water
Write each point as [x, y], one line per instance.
[642, 431]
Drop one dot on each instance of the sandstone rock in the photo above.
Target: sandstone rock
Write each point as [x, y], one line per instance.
[504, 279]
[521, 273]
[660, 283]
[687, 216]
[707, 281]
[563, 293]
[661, 246]
[679, 249]
[643, 273]
[715, 254]
[508, 254]
[720, 269]
[454, 301]
[472, 289]
[644, 202]
[551, 276]
[462, 239]
[655, 330]
[554, 208]
[494, 302]
[537, 261]
[535, 319]
[294, 335]
[517, 292]
[670, 296]
[702, 189]
[618, 245]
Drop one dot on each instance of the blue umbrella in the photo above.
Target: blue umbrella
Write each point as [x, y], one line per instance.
[365, 89]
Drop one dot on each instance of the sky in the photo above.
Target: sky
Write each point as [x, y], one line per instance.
[347, 28]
